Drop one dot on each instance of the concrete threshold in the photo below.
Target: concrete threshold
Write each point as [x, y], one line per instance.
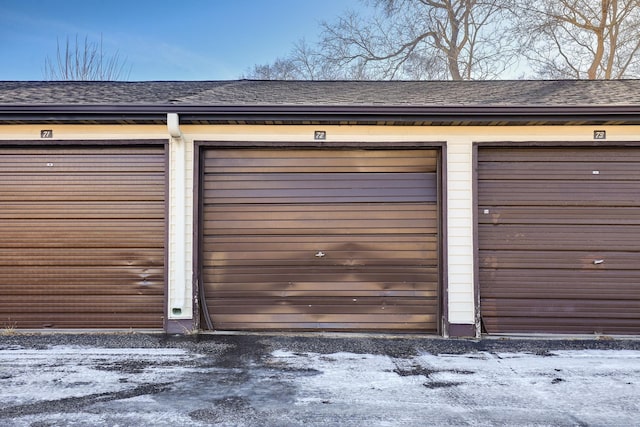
[326, 334]
[564, 337]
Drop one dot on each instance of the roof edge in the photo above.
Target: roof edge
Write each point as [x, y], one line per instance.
[322, 113]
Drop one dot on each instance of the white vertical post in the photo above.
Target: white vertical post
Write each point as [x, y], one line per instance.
[461, 305]
[179, 287]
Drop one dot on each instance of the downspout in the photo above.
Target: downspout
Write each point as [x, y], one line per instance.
[178, 287]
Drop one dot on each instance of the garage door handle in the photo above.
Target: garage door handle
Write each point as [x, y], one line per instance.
[320, 254]
[598, 261]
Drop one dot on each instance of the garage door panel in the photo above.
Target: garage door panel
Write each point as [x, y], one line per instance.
[348, 257]
[559, 154]
[139, 281]
[27, 161]
[82, 235]
[559, 283]
[76, 319]
[317, 161]
[313, 168]
[326, 188]
[566, 316]
[568, 215]
[127, 210]
[558, 193]
[292, 156]
[89, 195]
[362, 226]
[98, 234]
[276, 181]
[560, 237]
[55, 191]
[543, 260]
[376, 279]
[325, 196]
[568, 325]
[289, 212]
[322, 229]
[273, 220]
[301, 321]
[399, 324]
[344, 256]
[76, 178]
[331, 262]
[384, 242]
[592, 172]
[558, 232]
[282, 226]
[342, 289]
[30, 257]
[320, 306]
[16, 171]
[405, 242]
[326, 290]
[104, 225]
[98, 304]
[562, 308]
[372, 277]
[57, 170]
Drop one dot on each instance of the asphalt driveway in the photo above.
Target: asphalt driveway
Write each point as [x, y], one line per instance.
[315, 380]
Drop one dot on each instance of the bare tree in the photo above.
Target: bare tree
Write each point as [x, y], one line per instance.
[413, 39]
[303, 63]
[425, 39]
[84, 60]
[581, 39]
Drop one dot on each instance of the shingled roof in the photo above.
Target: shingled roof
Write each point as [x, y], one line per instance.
[249, 101]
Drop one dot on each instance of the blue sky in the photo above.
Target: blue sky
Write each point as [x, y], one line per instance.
[159, 39]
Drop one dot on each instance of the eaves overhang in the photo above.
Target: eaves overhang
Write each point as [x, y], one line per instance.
[432, 115]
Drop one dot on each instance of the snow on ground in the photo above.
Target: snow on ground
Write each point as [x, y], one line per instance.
[68, 371]
[94, 386]
[566, 388]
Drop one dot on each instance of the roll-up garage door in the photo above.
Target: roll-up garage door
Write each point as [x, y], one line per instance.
[559, 239]
[82, 237]
[316, 239]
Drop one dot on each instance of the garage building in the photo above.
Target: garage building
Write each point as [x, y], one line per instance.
[446, 208]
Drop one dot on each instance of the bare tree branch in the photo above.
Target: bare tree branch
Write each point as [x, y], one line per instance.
[84, 60]
[595, 39]
[473, 39]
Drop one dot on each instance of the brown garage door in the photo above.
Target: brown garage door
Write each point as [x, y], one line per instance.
[559, 233]
[313, 239]
[82, 237]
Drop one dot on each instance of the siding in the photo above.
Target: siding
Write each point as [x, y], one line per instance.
[460, 232]
[180, 274]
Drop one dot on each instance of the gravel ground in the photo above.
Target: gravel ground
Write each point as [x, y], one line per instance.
[315, 379]
[255, 345]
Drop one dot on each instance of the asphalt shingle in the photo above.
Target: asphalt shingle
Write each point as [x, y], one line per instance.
[325, 93]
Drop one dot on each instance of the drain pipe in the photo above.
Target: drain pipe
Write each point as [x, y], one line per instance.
[173, 125]
[178, 286]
